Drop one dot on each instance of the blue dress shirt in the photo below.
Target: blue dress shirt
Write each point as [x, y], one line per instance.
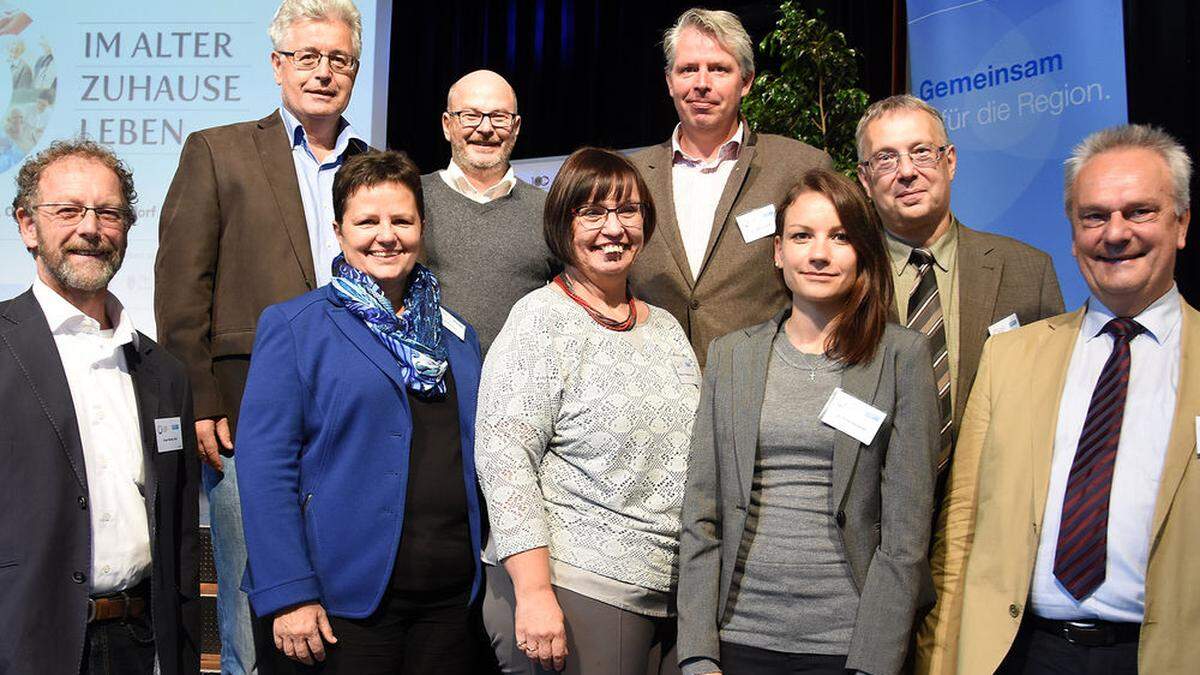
[316, 188]
[1145, 432]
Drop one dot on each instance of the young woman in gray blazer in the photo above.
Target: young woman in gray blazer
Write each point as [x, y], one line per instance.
[810, 481]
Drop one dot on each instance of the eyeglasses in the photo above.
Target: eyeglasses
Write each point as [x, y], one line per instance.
[887, 161]
[68, 214]
[500, 119]
[593, 216]
[309, 59]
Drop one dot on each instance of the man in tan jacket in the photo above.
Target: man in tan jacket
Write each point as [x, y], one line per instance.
[1069, 537]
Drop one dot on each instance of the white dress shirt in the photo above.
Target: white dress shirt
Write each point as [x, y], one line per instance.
[315, 178]
[697, 186]
[107, 416]
[454, 177]
[1145, 432]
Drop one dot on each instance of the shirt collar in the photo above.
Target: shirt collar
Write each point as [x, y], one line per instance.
[66, 319]
[299, 137]
[899, 250]
[1160, 319]
[729, 150]
[460, 182]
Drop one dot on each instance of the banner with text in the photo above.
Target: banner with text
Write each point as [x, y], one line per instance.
[140, 76]
[1019, 82]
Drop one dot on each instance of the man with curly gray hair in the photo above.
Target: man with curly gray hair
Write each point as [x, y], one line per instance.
[102, 488]
[247, 224]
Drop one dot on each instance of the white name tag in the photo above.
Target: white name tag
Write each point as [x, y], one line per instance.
[1004, 325]
[687, 371]
[757, 223]
[453, 325]
[852, 417]
[168, 433]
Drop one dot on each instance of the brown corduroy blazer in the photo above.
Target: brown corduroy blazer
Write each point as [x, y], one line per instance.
[737, 285]
[232, 241]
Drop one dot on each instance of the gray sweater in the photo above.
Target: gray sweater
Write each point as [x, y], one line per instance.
[485, 256]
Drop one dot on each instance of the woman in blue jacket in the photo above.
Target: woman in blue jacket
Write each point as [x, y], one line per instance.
[359, 413]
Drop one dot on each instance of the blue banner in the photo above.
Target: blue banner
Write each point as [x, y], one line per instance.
[1020, 82]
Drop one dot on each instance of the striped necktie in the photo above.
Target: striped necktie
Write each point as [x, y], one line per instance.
[1081, 554]
[925, 315]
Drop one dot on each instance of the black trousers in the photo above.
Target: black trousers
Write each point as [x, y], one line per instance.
[119, 647]
[1038, 652]
[408, 634]
[743, 660]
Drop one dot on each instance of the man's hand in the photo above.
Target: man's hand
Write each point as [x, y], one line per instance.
[212, 436]
[298, 632]
[540, 630]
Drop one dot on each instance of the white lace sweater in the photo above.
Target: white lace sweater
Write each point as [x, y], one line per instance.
[582, 438]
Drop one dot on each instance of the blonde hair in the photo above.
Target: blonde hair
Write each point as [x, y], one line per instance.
[722, 26]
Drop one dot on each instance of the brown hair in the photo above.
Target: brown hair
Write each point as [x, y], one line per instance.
[588, 175]
[373, 168]
[859, 326]
[31, 172]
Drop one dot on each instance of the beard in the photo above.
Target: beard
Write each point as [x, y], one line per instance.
[89, 274]
[464, 159]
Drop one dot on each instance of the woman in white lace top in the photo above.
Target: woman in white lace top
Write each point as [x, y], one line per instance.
[585, 415]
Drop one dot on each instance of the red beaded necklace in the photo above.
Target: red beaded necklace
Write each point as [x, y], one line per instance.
[564, 282]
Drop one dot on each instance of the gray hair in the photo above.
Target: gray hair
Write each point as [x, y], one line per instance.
[1130, 137]
[291, 11]
[31, 172]
[722, 26]
[892, 104]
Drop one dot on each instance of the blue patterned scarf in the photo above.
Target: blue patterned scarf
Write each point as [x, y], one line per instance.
[415, 337]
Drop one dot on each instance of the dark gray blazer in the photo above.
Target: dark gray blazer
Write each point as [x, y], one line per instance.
[45, 526]
[892, 477]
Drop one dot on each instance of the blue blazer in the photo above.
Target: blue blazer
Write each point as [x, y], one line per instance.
[322, 456]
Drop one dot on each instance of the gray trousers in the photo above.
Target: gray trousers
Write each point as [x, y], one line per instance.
[601, 639]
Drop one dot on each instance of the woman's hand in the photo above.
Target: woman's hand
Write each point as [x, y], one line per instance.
[540, 630]
[298, 632]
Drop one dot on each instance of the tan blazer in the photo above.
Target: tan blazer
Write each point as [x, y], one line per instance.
[232, 240]
[983, 559]
[737, 285]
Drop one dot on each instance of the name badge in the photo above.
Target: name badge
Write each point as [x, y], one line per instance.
[687, 371]
[453, 325]
[1004, 325]
[852, 417]
[168, 433]
[757, 223]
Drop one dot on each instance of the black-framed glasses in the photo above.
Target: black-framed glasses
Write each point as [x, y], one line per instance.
[69, 214]
[887, 161]
[592, 216]
[309, 59]
[500, 119]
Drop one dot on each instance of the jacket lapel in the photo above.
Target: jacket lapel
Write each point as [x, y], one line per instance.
[658, 179]
[145, 389]
[979, 284]
[750, 359]
[733, 187]
[1050, 360]
[1183, 431]
[861, 382]
[275, 153]
[366, 342]
[29, 339]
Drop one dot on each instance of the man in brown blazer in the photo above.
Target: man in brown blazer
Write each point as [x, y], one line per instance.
[976, 283]
[715, 183]
[247, 222]
[1069, 542]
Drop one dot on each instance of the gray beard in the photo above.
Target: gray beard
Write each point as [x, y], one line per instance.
[89, 277]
